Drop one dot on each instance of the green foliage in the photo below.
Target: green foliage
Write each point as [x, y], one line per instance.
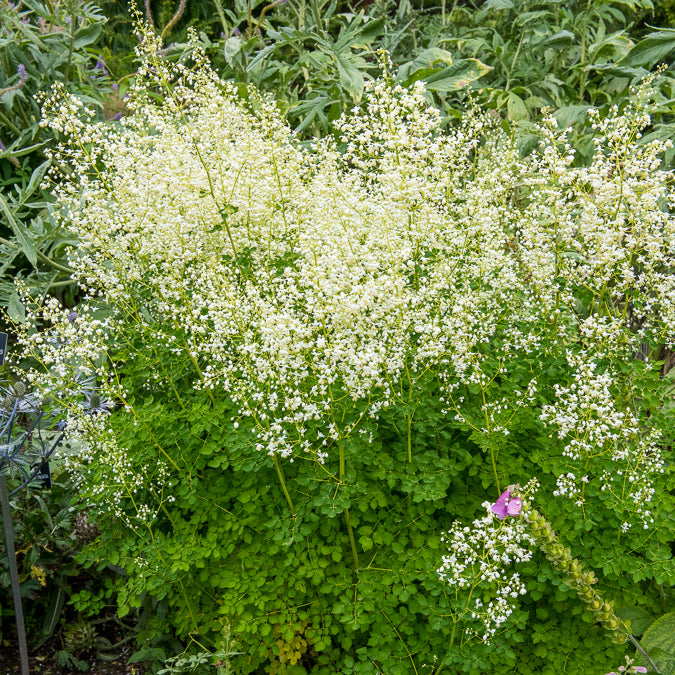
[564, 56]
[258, 481]
[659, 642]
[45, 547]
[40, 44]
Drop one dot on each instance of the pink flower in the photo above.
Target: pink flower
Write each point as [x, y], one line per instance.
[640, 669]
[506, 505]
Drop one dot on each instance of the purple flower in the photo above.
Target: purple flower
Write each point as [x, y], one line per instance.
[100, 65]
[640, 669]
[118, 116]
[506, 505]
[115, 86]
[2, 146]
[236, 31]
[72, 316]
[21, 70]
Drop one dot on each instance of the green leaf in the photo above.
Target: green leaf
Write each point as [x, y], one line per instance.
[498, 4]
[24, 240]
[652, 50]
[231, 48]
[516, 108]
[618, 71]
[351, 78]
[35, 179]
[86, 36]
[659, 642]
[457, 76]
[640, 619]
[571, 114]
[432, 57]
[557, 41]
[15, 309]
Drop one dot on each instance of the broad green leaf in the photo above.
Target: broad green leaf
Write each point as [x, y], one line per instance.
[24, 240]
[498, 4]
[35, 179]
[516, 108]
[368, 32]
[640, 619]
[428, 58]
[426, 62]
[457, 76]
[351, 77]
[557, 41]
[85, 36]
[571, 114]
[652, 50]
[15, 309]
[528, 18]
[617, 70]
[231, 48]
[659, 642]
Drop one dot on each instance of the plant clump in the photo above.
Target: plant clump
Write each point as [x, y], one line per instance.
[316, 357]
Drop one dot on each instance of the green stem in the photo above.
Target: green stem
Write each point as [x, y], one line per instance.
[282, 480]
[350, 532]
[452, 641]
[57, 266]
[409, 438]
[73, 21]
[167, 514]
[513, 63]
[221, 16]
[640, 648]
[317, 16]
[209, 393]
[8, 123]
[582, 59]
[352, 541]
[494, 468]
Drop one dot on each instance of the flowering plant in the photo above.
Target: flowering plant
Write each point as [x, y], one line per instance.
[323, 354]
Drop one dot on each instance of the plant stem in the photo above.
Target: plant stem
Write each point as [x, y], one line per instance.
[221, 16]
[209, 393]
[282, 480]
[409, 438]
[513, 62]
[73, 19]
[352, 541]
[317, 16]
[642, 651]
[350, 532]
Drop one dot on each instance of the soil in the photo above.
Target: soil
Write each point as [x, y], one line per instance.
[45, 663]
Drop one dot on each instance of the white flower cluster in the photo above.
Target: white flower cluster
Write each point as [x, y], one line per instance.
[586, 417]
[479, 557]
[299, 281]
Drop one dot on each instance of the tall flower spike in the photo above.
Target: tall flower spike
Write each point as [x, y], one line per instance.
[574, 574]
